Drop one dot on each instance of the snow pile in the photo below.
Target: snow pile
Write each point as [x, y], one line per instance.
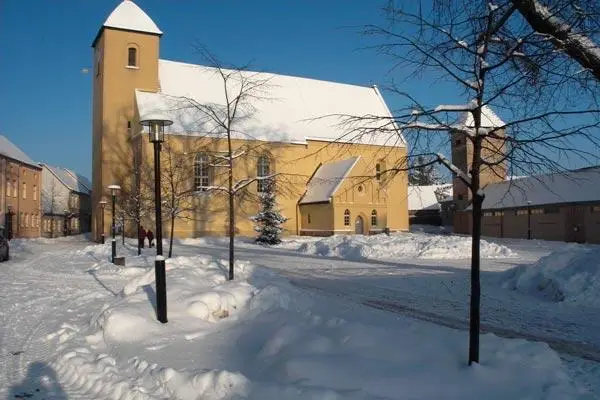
[260, 337]
[570, 274]
[403, 245]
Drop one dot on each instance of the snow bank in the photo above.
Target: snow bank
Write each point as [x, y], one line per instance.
[570, 274]
[261, 337]
[402, 245]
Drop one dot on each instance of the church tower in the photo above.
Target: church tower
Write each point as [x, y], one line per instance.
[126, 53]
[493, 152]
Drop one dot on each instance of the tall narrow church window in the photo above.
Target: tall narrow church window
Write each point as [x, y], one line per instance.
[263, 168]
[373, 218]
[378, 171]
[202, 172]
[347, 218]
[132, 57]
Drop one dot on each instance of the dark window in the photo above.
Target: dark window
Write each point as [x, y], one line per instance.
[128, 126]
[308, 218]
[378, 171]
[460, 196]
[263, 168]
[551, 210]
[373, 218]
[457, 142]
[347, 218]
[201, 172]
[132, 57]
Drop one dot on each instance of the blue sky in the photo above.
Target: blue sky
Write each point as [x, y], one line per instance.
[45, 101]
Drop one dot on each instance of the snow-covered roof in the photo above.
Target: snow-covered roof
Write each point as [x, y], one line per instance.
[425, 197]
[326, 180]
[129, 16]
[489, 119]
[291, 109]
[8, 149]
[70, 179]
[576, 186]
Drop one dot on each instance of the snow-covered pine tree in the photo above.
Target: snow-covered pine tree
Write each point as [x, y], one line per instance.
[269, 219]
[424, 174]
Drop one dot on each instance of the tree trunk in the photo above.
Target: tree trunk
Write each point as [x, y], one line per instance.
[475, 281]
[123, 229]
[231, 212]
[139, 242]
[474, 314]
[171, 237]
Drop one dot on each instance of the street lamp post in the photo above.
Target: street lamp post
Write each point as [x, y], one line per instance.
[102, 206]
[156, 126]
[528, 219]
[114, 189]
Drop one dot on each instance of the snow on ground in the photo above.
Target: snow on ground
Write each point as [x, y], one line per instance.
[397, 245]
[261, 338]
[81, 328]
[570, 274]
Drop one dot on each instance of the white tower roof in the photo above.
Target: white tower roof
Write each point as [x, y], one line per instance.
[129, 16]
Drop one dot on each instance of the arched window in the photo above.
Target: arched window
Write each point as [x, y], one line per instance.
[263, 168]
[8, 187]
[202, 172]
[373, 218]
[347, 218]
[132, 57]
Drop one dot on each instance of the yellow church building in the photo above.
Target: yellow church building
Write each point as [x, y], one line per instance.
[331, 176]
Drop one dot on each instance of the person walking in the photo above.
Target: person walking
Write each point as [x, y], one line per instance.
[150, 236]
[141, 236]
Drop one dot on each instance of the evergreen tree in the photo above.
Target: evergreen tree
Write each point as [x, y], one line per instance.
[422, 174]
[269, 219]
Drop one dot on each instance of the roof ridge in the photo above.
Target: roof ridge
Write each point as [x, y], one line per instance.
[271, 73]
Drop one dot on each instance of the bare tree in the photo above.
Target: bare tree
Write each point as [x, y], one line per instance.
[178, 192]
[242, 89]
[53, 201]
[492, 60]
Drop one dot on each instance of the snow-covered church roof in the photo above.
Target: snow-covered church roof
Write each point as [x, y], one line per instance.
[291, 109]
[327, 180]
[127, 15]
[489, 119]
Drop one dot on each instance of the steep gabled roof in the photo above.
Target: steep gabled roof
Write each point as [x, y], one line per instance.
[70, 179]
[326, 180]
[293, 110]
[576, 186]
[128, 16]
[8, 149]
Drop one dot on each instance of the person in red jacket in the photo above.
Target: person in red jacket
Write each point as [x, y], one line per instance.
[150, 237]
